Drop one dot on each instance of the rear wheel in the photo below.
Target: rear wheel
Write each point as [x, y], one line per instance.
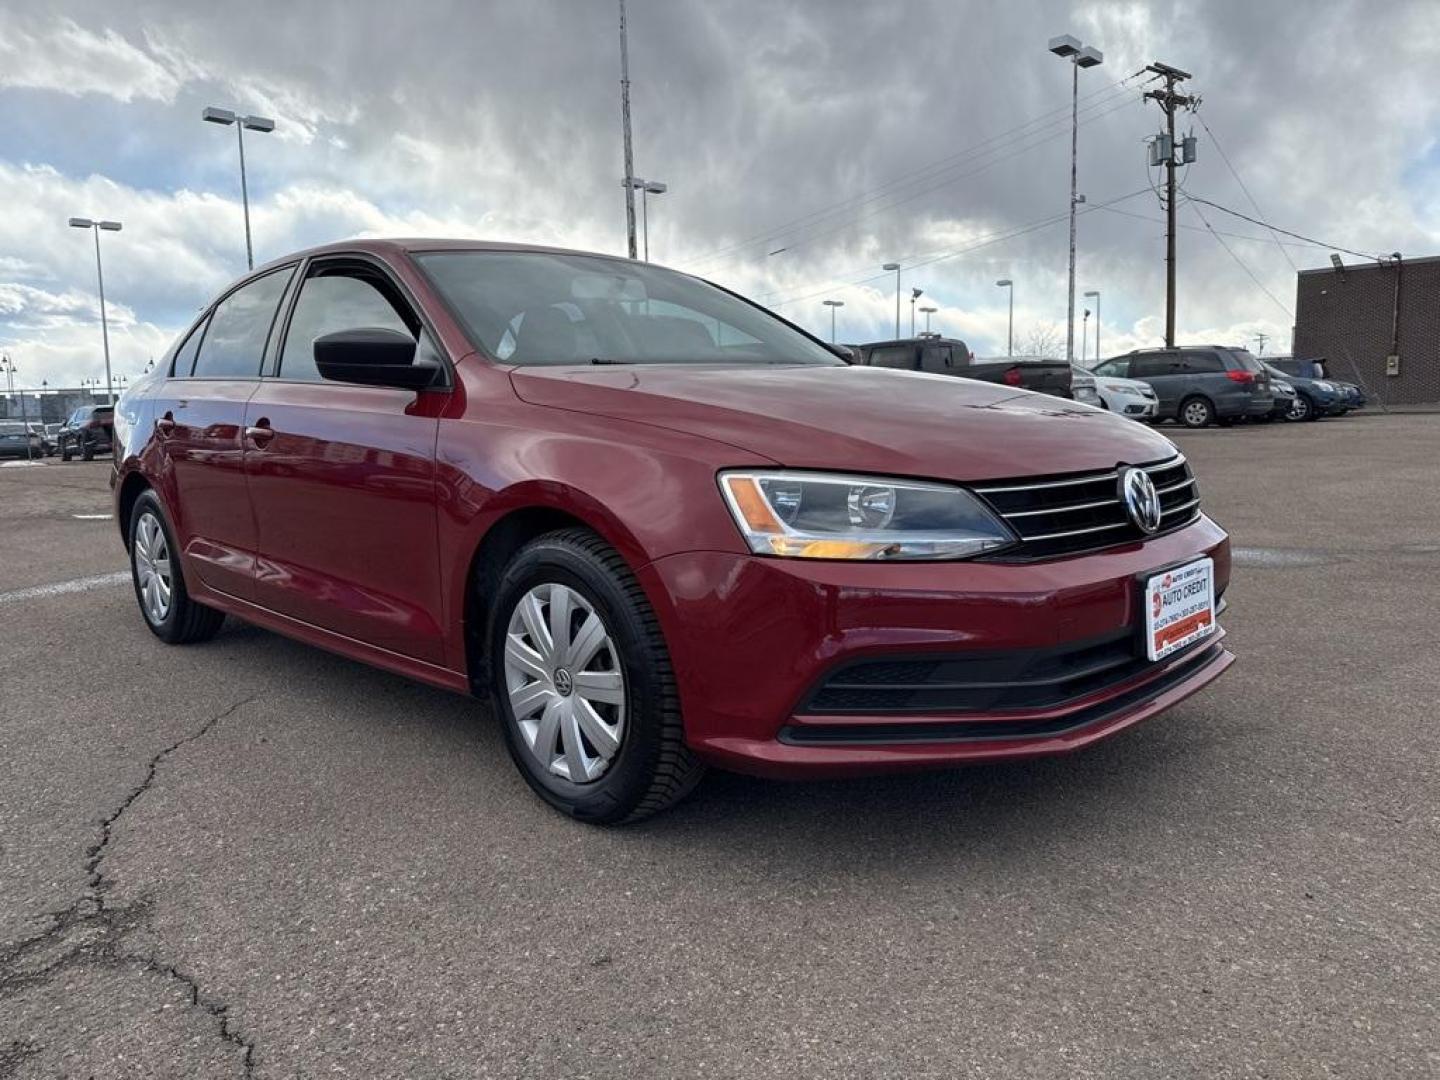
[159, 584]
[87, 452]
[1196, 412]
[65, 452]
[581, 679]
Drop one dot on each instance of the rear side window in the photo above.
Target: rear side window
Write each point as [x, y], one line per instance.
[1152, 367]
[901, 357]
[234, 345]
[1203, 363]
[935, 358]
[185, 355]
[339, 299]
[1245, 361]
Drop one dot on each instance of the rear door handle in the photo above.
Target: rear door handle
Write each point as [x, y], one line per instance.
[260, 434]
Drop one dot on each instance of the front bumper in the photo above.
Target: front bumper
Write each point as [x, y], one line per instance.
[751, 637]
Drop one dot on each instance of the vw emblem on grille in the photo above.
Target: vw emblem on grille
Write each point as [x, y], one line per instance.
[1141, 500]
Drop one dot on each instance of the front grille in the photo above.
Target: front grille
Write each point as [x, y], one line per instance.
[1065, 515]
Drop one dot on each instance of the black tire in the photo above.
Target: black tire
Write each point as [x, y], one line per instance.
[65, 453]
[1302, 409]
[186, 621]
[1196, 412]
[87, 452]
[653, 768]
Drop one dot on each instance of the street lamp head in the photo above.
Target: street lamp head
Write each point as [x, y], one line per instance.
[915, 294]
[929, 310]
[1334, 259]
[890, 266]
[1089, 57]
[1005, 283]
[81, 223]
[833, 303]
[655, 187]
[218, 116]
[1093, 292]
[109, 226]
[264, 123]
[1064, 45]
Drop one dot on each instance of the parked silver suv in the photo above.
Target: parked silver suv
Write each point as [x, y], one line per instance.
[1199, 385]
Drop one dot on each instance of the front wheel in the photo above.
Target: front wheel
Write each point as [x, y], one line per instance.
[1301, 409]
[582, 681]
[87, 452]
[65, 453]
[1196, 412]
[159, 584]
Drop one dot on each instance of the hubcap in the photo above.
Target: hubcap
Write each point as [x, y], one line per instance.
[563, 678]
[1195, 413]
[152, 568]
[1297, 408]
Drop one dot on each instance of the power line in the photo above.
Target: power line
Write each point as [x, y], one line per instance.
[1241, 263]
[1235, 173]
[1284, 232]
[1200, 228]
[850, 222]
[1098, 101]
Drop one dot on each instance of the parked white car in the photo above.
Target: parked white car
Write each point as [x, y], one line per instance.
[1128, 397]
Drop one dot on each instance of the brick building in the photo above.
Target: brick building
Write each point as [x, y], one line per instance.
[1360, 317]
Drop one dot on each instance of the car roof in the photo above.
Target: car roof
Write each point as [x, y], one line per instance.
[383, 246]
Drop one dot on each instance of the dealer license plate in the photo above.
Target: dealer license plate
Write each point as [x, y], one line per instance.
[1179, 607]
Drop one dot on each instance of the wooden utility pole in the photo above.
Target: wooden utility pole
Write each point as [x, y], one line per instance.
[1169, 100]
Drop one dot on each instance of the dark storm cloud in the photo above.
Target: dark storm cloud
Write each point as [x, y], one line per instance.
[802, 125]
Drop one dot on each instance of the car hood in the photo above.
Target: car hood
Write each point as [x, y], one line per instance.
[856, 418]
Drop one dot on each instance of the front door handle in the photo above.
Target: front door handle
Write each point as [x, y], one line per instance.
[260, 434]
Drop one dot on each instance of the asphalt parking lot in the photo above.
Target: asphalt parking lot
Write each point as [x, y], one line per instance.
[253, 858]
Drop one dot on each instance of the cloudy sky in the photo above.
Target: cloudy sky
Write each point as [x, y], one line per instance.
[848, 134]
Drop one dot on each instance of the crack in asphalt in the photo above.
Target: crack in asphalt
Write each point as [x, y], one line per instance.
[102, 928]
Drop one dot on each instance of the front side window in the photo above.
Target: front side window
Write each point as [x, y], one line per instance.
[1114, 369]
[234, 345]
[531, 307]
[333, 299]
[899, 357]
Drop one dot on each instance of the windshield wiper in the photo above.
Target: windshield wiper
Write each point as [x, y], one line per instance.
[608, 360]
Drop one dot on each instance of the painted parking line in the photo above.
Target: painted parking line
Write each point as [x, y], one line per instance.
[84, 584]
[92, 517]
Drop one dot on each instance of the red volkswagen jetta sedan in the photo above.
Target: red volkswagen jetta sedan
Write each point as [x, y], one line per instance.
[657, 525]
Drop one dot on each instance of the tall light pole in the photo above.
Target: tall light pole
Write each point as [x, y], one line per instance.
[1079, 56]
[1084, 335]
[928, 312]
[646, 189]
[242, 123]
[629, 178]
[1009, 286]
[1094, 294]
[915, 294]
[832, 305]
[96, 227]
[896, 268]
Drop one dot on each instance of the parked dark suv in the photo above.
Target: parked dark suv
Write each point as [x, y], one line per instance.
[87, 431]
[1199, 385]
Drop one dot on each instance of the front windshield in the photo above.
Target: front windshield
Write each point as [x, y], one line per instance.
[532, 307]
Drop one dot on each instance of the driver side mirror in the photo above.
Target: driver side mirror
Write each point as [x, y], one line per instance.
[372, 356]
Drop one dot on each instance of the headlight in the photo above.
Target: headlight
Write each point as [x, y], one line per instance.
[824, 516]
[1133, 391]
